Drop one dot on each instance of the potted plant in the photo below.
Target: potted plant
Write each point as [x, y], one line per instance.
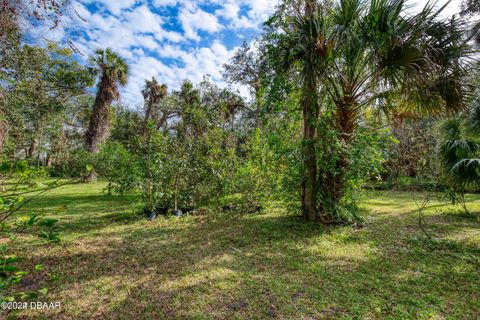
[150, 213]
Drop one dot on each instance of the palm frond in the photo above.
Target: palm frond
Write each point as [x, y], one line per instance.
[451, 128]
[474, 119]
[466, 171]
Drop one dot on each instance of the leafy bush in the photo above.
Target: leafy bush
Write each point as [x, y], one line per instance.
[12, 199]
[344, 168]
[73, 166]
[120, 167]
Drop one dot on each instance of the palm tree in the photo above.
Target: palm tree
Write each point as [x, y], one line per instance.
[305, 43]
[112, 71]
[364, 54]
[153, 93]
[192, 118]
[460, 155]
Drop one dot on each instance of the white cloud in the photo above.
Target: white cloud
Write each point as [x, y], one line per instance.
[230, 11]
[257, 11]
[195, 64]
[192, 21]
[164, 3]
[114, 6]
[141, 19]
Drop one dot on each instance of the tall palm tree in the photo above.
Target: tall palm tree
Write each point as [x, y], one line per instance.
[192, 118]
[153, 93]
[363, 54]
[112, 71]
[382, 54]
[304, 47]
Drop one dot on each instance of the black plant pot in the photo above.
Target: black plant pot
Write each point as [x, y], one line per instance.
[178, 213]
[150, 215]
[162, 210]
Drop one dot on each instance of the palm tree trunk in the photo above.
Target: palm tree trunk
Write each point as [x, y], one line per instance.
[148, 115]
[310, 116]
[309, 184]
[334, 182]
[96, 133]
[98, 127]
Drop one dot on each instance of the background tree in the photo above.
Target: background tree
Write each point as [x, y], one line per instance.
[16, 16]
[247, 67]
[471, 9]
[38, 89]
[153, 93]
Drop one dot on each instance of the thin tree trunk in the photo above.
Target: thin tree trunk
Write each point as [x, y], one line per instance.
[309, 185]
[148, 114]
[37, 134]
[257, 105]
[32, 148]
[310, 115]
[4, 128]
[49, 160]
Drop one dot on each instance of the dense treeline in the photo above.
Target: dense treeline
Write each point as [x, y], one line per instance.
[344, 96]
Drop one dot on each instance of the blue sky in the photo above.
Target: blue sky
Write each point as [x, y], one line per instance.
[172, 40]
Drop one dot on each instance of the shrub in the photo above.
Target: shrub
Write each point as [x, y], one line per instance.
[13, 198]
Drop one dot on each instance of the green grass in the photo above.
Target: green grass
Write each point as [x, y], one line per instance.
[113, 264]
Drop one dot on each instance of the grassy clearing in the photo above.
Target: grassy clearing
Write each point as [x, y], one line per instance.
[112, 264]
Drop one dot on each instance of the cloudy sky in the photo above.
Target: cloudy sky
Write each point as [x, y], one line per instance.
[172, 40]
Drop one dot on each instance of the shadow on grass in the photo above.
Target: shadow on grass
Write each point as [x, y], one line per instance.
[85, 213]
[264, 267]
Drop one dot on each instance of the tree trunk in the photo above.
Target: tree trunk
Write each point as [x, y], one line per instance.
[49, 160]
[310, 115]
[148, 115]
[37, 134]
[99, 125]
[334, 183]
[309, 185]
[32, 148]
[4, 128]
[258, 104]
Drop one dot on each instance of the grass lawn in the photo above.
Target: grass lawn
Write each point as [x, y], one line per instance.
[113, 264]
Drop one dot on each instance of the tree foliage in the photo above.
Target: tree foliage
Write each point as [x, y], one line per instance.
[355, 56]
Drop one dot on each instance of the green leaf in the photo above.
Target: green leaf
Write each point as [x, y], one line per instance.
[43, 291]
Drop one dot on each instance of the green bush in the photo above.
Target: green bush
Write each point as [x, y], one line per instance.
[12, 222]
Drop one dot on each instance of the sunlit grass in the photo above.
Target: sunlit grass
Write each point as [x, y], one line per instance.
[113, 264]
